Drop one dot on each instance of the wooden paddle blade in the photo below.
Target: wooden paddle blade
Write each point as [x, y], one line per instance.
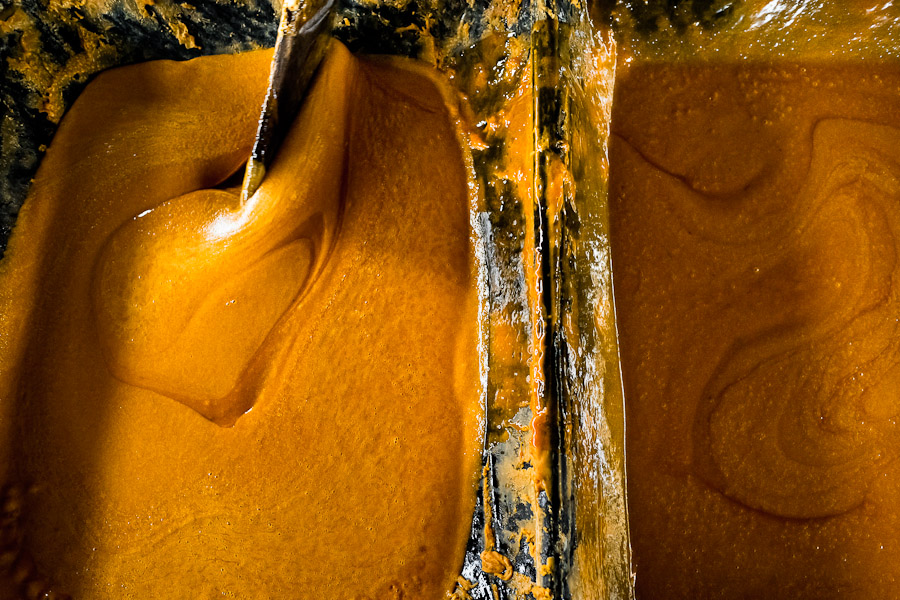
[303, 37]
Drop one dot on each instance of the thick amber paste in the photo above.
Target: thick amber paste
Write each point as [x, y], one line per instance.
[756, 228]
[145, 311]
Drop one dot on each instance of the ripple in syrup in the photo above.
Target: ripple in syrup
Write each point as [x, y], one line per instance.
[756, 227]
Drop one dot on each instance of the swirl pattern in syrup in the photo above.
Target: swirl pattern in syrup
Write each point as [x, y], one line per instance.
[756, 227]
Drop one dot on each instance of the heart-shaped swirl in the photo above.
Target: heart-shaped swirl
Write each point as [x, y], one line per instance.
[186, 294]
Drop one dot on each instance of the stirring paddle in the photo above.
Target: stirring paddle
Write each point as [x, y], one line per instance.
[303, 37]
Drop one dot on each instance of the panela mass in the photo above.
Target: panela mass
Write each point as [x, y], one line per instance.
[280, 395]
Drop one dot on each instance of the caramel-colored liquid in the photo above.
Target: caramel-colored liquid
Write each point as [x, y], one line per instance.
[279, 398]
[756, 229]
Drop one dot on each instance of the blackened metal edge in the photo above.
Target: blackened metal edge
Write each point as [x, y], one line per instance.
[588, 512]
[548, 134]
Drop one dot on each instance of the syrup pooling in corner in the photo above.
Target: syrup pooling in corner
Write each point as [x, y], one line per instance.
[756, 227]
[146, 310]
